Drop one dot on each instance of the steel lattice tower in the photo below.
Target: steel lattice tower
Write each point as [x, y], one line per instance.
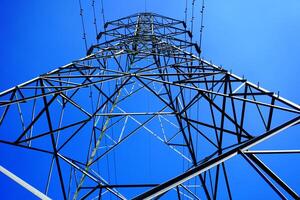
[143, 83]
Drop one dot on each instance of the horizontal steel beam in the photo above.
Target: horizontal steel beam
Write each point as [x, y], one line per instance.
[135, 113]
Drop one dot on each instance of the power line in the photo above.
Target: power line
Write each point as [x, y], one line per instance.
[193, 17]
[103, 17]
[185, 18]
[95, 19]
[201, 26]
[102, 12]
[192, 23]
[185, 11]
[83, 26]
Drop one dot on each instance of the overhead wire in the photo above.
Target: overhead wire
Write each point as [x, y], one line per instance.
[201, 25]
[185, 17]
[95, 20]
[192, 18]
[103, 18]
[192, 29]
[102, 12]
[185, 11]
[83, 26]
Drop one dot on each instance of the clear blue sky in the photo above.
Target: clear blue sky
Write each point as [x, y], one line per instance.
[257, 39]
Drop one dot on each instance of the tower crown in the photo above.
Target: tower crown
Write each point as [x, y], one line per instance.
[146, 30]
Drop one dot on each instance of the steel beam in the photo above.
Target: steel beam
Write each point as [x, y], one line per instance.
[166, 186]
[24, 184]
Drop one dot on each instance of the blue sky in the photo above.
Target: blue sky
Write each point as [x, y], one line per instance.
[257, 39]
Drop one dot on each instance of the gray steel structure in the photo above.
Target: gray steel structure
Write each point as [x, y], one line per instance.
[198, 111]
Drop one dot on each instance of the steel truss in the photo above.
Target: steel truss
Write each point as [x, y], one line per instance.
[200, 113]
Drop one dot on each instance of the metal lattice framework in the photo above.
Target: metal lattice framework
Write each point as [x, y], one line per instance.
[145, 80]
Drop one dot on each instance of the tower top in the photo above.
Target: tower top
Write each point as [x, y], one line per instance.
[144, 29]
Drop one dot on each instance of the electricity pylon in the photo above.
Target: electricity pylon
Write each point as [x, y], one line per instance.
[142, 117]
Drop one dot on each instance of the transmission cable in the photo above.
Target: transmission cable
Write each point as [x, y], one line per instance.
[185, 18]
[201, 26]
[193, 17]
[192, 30]
[102, 12]
[185, 11]
[103, 18]
[95, 20]
[83, 26]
